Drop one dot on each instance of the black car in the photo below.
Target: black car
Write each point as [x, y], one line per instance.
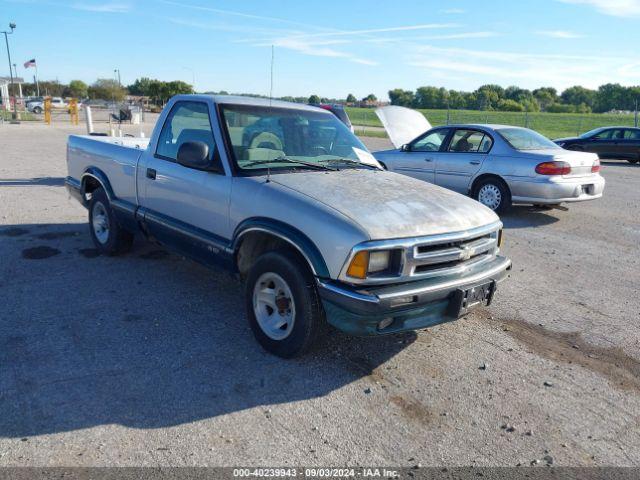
[607, 142]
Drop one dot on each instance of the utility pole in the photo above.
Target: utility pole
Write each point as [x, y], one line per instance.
[14, 115]
[117, 71]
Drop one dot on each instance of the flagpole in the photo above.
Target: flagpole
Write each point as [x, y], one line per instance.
[37, 84]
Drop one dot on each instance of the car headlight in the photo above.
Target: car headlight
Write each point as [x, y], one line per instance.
[368, 262]
[561, 144]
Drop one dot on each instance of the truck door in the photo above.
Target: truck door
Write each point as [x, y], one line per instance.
[185, 208]
[462, 158]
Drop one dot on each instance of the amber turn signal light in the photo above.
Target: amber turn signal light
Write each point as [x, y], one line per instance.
[359, 265]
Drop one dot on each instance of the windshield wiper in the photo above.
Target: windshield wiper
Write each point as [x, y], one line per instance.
[317, 166]
[351, 162]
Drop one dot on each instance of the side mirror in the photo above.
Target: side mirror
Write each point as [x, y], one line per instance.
[405, 148]
[196, 155]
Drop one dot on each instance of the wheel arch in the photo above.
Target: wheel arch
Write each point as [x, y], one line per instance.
[94, 178]
[485, 176]
[258, 235]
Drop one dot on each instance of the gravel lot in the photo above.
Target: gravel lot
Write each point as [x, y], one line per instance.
[147, 359]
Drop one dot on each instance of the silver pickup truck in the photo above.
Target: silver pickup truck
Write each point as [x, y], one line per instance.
[285, 196]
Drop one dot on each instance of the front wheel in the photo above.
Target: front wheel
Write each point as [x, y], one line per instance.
[37, 110]
[283, 305]
[107, 234]
[493, 193]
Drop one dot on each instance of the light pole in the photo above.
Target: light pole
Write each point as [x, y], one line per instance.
[14, 115]
[116, 73]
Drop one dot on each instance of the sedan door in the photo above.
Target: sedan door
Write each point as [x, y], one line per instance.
[418, 158]
[630, 145]
[604, 143]
[463, 156]
[184, 207]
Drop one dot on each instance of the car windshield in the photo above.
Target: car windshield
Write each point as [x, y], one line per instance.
[525, 139]
[591, 133]
[291, 139]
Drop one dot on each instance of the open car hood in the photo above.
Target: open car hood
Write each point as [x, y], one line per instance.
[402, 124]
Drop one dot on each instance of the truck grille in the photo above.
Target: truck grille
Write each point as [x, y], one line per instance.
[432, 260]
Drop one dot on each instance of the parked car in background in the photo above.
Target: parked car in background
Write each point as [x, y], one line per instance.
[607, 142]
[339, 111]
[498, 165]
[37, 106]
[311, 223]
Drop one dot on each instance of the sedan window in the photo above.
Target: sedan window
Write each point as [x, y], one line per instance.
[604, 135]
[470, 141]
[632, 134]
[430, 142]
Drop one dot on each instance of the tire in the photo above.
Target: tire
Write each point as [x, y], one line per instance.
[287, 319]
[37, 110]
[634, 160]
[107, 234]
[493, 193]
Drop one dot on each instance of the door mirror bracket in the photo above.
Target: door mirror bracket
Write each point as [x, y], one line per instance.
[196, 155]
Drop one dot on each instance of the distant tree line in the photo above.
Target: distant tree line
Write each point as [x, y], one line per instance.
[109, 89]
[577, 99]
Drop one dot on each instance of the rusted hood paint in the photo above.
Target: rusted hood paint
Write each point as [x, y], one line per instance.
[388, 205]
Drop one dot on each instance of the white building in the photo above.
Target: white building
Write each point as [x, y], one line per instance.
[4, 90]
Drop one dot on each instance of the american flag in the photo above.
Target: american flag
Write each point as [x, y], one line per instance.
[30, 63]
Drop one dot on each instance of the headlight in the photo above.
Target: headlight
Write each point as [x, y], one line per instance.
[368, 262]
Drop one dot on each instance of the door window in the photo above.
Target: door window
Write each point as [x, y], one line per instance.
[187, 122]
[431, 142]
[470, 141]
[632, 134]
[604, 135]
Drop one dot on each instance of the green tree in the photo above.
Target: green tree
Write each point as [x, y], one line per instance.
[140, 86]
[77, 89]
[107, 89]
[351, 98]
[576, 95]
[431, 97]
[546, 96]
[403, 98]
[370, 98]
[508, 105]
[313, 99]
[487, 96]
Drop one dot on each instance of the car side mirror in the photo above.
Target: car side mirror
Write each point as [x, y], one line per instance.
[405, 148]
[196, 155]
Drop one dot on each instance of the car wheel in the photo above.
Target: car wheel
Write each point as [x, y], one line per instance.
[283, 305]
[494, 194]
[107, 234]
[37, 110]
[634, 160]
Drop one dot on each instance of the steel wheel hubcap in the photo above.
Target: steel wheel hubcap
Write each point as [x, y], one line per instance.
[490, 196]
[273, 306]
[100, 222]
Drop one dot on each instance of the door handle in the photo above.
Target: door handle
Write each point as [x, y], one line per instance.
[151, 173]
[428, 159]
[474, 162]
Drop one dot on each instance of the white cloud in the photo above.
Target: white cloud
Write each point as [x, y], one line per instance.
[526, 69]
[103, 7]
[616, 8]
[559, 34]
[453, 11]
[405, 28]
[455, 36]
[317, 49]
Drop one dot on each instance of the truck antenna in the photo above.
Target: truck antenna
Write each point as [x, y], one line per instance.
[271, 86]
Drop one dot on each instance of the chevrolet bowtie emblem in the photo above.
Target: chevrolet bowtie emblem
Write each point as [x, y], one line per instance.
[466, 253]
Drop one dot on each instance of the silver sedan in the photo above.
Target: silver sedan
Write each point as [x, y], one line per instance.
[498, 165]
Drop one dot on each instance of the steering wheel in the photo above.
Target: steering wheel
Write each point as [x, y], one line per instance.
[320, 149]
[268, 138]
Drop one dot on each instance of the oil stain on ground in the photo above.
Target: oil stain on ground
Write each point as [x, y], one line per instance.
[13, 232]
[39, 253]
[622, 370]
[412, 409]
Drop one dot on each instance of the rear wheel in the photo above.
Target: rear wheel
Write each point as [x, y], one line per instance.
[283, 305]
[634, 160]
[494, 194]
[107, 234]
[37, 110]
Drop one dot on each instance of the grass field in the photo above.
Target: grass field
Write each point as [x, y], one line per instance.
[552, 125]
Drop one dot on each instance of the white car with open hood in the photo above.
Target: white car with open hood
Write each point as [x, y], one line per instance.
[498, 165]
[285, 196]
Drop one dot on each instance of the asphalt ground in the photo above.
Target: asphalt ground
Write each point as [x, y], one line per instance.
[147, 359]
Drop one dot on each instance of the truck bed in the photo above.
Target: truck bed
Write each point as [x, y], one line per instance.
[117, 157]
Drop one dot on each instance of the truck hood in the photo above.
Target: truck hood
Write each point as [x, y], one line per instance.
[388, 205]
[402, 124]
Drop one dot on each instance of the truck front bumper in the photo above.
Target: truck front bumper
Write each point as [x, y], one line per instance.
[409, 306]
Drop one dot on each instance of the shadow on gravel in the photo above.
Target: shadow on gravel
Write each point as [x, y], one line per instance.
[527, 216]
[619, 163]
[27, 182]
[145, 340]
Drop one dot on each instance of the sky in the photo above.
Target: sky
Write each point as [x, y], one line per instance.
[328, 47]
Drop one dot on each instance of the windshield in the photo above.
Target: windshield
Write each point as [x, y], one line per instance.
[525, 139]
[278, 138]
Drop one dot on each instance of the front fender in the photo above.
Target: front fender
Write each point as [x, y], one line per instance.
[289, 234]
